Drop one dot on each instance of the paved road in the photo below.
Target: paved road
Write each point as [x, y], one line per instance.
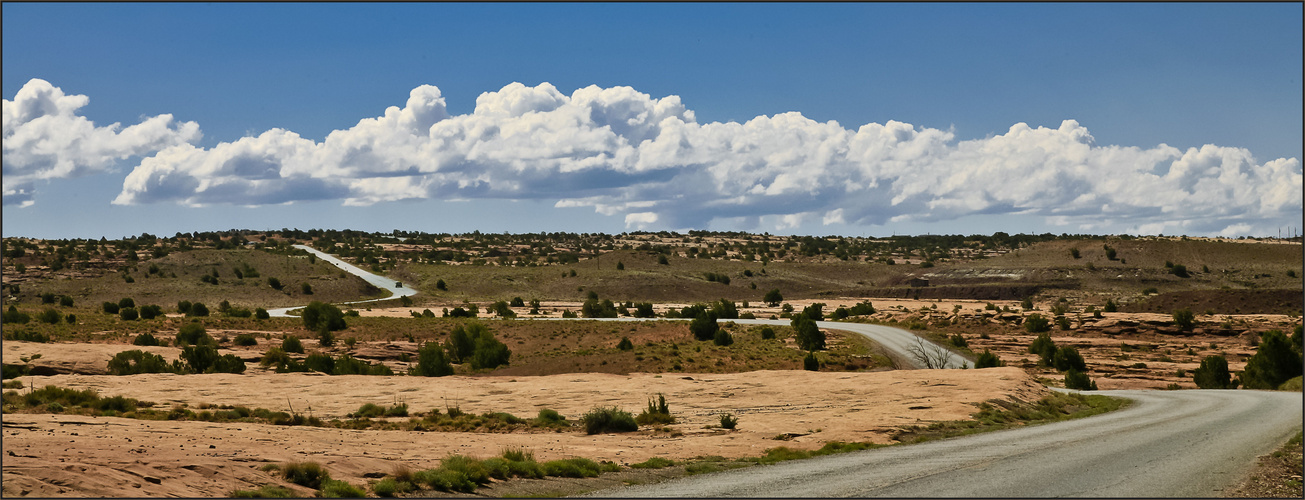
[897, 342]
[1190, 443]
[378, 281]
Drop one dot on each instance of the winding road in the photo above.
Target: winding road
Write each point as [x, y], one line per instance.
[1192, 443]
[381, 282]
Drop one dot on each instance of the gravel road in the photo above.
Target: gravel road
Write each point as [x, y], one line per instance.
[379, 281]
[1191, 443]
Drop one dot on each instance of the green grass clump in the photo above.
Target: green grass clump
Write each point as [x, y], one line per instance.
[307, 474]
[335, 488]
[612, 419]
[578, 467]
[654, 463]
[657, 413]
[265, 491]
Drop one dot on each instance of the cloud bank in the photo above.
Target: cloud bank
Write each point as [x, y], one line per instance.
[44, 138]
[626, 154]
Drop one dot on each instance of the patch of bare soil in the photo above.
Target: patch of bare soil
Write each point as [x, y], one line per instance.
[64, 455]
[1276, 475]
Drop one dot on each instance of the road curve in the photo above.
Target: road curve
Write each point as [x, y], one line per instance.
[377, 281]
[1191, 443]
[896, 341]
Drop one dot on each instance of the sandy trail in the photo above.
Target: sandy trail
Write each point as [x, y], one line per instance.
[57, 455]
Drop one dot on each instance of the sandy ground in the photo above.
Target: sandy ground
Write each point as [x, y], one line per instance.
[60, 455]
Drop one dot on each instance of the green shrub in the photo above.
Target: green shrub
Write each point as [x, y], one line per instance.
[265, 491]
[109, 307]
[151, 311]
[810, 363]
[704, 326]
[445, 480]
[260, 313]
[1068, 358]
[728, 421]
[1044, 347]
[199, 357]
[277, 357]
[53, 317]
[65, 301]
[245, 339]
[193, 334]
[1275, 361]
[197, 309]
[613, 419]
[431, 361]
[318, 315]
[572, 467]
[958, 340]
[723, 338]
[128, 314]
[26, 336]
[1213, 374]
[292, 344]
[657, 413]
[1184, 319]
[625, 344]
[809, 337]
[988, 360]
[653, 463]
[126, 302]
[1035, 323]
[1075, 379]
[137, 361]
[550, 417]
[228, 363]
[307, 474]
[767, 333]
[335, 488]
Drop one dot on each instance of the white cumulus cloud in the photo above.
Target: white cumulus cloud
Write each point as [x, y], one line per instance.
[626, 153]
[45, 138]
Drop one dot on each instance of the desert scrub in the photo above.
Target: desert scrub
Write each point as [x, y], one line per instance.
[654, 463]
[657, 413]
[612, 419]
[264, 491]
[728, 421]
[783, 453]
[335, 488]
[997, 414]
[307, 474]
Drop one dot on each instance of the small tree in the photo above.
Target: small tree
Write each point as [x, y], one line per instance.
[260, 313]
[292, 344]
[320, 314]
[439, 285]
[1275, 361]
[1073, 252]
[306, 288]
[110, 307]
[128, 314]
[988, 360]
[1044, 347]
[1110, 306]
[275, 283]
[723, 338]
[625, 344]
[459, 345]
[704, 326]
[1068, 358]
[808, 335]
[773, 298]
[810, 363]
[1075, 379]
[1213, 374]
[1035, 323]
[126, 302]
[198, 309]
[431, 361]
[1184, 319]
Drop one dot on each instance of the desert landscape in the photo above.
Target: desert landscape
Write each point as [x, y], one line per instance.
[382, 397]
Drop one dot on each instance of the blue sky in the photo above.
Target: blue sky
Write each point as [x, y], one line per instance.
[959, 76]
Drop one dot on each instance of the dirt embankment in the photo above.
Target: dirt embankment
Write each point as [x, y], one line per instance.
[57, 455]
